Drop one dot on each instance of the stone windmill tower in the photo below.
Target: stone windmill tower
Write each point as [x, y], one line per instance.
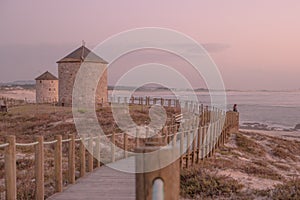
[68, 68]
[46, 88]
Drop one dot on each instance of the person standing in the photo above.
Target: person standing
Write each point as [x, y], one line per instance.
[235, 108]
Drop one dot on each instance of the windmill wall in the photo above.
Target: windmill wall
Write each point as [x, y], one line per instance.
[46, 91]
[67, 74]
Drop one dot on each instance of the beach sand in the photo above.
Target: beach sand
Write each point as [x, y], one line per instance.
[286, 135]
[19, 94]
[260, 161]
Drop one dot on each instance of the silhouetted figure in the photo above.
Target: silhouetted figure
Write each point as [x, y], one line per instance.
[235, 108]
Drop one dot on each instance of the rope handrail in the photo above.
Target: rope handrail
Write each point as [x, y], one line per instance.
[26, 144]
[78, 139]
[66, 140]
[4, 145]
[50, 142]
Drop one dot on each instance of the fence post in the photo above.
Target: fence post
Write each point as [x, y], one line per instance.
[137, 135]
[82, 156]
[71, 159]
[39, 168]
[58, 163]
[205, 140]
[113, 147]
[195, 140]
[147, 133]
[188, 151]
[146, 187]
[97, 149]
[166, 139]
[90, 154]
[181, 148]
[199, 129]
[125, 145]
[10, 168]
[174, 139]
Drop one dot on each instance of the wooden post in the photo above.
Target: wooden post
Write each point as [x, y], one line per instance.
[58, 164]
[39, 168]
[137, 135]
[125, 145]
[181, 148]
[188, 152]
[97, 151]
[195, 136]
[146, 187]
[201, 153]
[166, 139]
[205, 149]
[147, 133]
[71, 159]
[174, 139]
[210, 141]
[82, 156]
[113, 147]
[10, 168]
[90, 154]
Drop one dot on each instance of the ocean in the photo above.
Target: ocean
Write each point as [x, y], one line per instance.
[262, 110]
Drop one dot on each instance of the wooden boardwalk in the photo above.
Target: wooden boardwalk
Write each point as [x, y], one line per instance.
[103, 183]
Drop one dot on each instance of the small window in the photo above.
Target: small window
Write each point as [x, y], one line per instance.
[51, 81]
[53, 89]
[49, 89]
[40, 81]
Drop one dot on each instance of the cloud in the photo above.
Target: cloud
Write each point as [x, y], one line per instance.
[215, 47]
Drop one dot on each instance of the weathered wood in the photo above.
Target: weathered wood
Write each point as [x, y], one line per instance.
[181, 148]
[97, 151]
[125, 147]
[169, 174]
[39, 168]
[90, 154]
[113, 147]
[174, 139]
[188, 151]
[71, 159]
[82, 156]
[195, 136]
[58, 164]
[137, 135]
[166, 137]
[102, 183]
[10, 168]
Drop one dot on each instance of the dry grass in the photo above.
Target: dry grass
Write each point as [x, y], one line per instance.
[288, 190]
[199, 183]
[264, 167]
[249, 146]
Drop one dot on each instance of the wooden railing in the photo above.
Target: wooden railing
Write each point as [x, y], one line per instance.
[203, 134]
[10, 102]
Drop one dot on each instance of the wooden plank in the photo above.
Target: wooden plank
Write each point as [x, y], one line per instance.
[103, 183]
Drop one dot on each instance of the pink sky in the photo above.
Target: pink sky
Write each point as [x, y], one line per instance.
[254, 43]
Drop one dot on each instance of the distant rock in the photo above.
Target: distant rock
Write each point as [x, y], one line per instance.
[297, 127]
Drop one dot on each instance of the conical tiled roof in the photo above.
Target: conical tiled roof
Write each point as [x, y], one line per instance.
[46, 76]
[82, 54]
